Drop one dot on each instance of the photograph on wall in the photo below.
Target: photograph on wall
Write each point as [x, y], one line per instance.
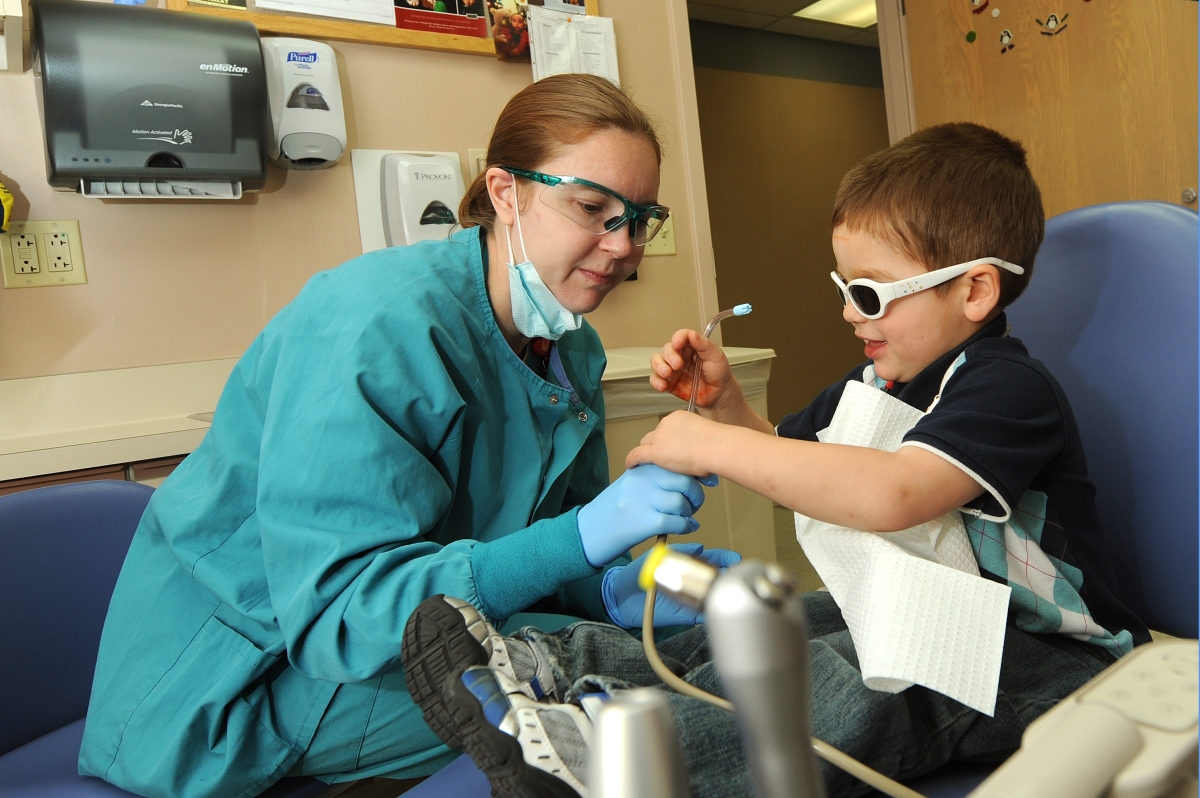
[569, 6]
[510, 28]
[463, 17]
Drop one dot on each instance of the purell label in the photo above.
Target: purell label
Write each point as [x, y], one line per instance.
[301, 58]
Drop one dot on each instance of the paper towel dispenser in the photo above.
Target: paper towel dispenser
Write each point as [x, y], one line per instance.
[138, 102]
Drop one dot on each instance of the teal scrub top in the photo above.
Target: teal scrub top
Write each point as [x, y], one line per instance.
[377, 444]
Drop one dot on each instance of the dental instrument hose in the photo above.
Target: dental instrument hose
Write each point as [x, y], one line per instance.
[822, 749]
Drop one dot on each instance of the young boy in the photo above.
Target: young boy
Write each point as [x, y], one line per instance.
[933, 238]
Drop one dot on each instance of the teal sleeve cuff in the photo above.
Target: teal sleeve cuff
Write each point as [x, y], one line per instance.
[582, 598]
[515, 571]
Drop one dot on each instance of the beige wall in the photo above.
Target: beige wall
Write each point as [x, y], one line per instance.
[182, 281]
[775, 149]
[1106, 108]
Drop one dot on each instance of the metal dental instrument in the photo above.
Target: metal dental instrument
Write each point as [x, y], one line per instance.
[759, 641]
[635, 749]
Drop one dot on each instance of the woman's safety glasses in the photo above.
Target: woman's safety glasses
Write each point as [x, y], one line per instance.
[597, 209]
[871, 298]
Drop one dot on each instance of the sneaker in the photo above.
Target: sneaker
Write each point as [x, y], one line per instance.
[444, 635]
[526, 748]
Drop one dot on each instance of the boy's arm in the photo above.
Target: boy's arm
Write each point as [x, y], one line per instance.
[850, 486]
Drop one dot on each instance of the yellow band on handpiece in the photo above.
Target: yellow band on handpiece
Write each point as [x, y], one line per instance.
[653, 560]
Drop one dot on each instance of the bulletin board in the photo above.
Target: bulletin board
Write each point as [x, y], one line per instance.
[326, 28]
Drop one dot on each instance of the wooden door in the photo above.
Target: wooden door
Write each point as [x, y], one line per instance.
[1103, 96]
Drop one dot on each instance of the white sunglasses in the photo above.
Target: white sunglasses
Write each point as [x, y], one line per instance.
[871, 298]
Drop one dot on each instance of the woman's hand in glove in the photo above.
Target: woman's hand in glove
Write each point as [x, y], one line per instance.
[643, 502]
[625, 601]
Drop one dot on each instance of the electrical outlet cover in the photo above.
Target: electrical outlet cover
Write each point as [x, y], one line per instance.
[664, 242]
[57, 252]
[40, 232]
[25, 255]
[476, 159]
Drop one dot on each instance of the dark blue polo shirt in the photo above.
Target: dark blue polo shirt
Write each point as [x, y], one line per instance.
[1005, 421]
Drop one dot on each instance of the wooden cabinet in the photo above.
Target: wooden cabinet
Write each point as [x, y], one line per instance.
[1104, 99]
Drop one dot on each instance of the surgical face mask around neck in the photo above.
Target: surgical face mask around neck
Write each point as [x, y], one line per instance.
[536, 311]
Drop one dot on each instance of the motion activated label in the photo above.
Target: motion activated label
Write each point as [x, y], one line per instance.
[224, 69]
[176, 136]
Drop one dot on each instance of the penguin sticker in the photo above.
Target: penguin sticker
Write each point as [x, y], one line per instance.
[1053, 25]
[1006, 41]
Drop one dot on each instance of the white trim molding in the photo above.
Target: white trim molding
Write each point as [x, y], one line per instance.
[897, 69]
[12, 36]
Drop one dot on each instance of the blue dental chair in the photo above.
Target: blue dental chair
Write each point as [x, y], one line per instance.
[1112, 312]
[61, 549]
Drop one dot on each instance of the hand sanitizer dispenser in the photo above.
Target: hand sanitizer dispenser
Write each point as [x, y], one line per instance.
[420, 196]
[308, 124]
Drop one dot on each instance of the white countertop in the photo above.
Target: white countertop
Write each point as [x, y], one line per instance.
[74, 421]
[634, 361]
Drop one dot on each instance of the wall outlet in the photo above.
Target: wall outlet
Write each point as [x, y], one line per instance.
[477, 161]
[58, 252]
[25, 254]
[38, 254]
[664, 242]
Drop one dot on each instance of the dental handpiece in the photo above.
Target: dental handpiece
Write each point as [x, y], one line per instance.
[758, 633]
[759, 641]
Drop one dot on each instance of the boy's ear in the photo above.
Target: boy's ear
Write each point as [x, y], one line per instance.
[983, 294]
[502, 188]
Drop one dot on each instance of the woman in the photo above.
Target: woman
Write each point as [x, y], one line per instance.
[422, 420]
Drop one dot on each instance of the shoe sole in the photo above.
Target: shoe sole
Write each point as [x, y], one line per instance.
[436, 643]
[495, 753]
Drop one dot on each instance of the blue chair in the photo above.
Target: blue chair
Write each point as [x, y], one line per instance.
[61, 549]
[1112, 312]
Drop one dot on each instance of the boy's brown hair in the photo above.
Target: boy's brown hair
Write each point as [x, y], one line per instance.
[949, 194]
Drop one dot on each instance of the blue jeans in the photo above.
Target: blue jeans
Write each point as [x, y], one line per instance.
[903, 735]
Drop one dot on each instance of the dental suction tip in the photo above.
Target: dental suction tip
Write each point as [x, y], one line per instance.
[742, 310]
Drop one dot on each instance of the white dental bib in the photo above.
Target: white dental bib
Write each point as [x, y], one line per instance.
[914, 602]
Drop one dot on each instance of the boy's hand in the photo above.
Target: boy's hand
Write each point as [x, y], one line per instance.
[671, 370]
[681, 443]
[718, 394]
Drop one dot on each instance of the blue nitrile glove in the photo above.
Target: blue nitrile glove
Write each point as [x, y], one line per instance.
[643, 502]
[625, 601]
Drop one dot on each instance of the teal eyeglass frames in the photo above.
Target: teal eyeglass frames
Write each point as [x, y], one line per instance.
[597, 209]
